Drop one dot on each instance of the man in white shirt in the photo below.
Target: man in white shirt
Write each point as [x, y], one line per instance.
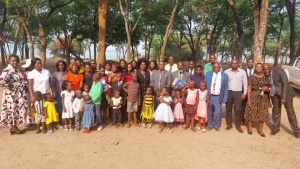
[237, 91]
[171, 66]
[217, 85]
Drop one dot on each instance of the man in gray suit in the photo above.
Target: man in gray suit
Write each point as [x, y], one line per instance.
[160, 78]
[281, 92]
[180, 74]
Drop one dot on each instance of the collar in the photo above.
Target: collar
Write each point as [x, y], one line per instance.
[238, 69]
[14, 68]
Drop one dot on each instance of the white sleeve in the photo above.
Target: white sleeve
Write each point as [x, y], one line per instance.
[74, 106]
[30, 75]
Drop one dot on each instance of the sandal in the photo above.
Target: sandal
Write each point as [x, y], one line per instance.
[160, 130]
[66, 128]
[170, 130]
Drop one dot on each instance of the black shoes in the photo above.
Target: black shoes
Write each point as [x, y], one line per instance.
[228, 128]
[239, 129]
[273, 133]
[208, 128]
[297, 135]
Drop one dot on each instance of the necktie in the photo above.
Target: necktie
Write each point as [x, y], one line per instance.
[214, 84]
[250, 73]
[160, 77]
[170, 70]
[272, 90]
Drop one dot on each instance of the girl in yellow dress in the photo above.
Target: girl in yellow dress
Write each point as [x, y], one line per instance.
[50, 112]
[148, 108]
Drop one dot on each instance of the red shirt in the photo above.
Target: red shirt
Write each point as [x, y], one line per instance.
[127, 78]
[75, 81]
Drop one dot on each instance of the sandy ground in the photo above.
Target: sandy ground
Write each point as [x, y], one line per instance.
[146, 148]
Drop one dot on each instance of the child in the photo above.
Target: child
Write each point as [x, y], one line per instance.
[164, 112]
[67, 98]
[78, 109]
[132, 89]
[128, 71]
[86, 90]
[198, 76]
[191, 104]
[95, 93]
[50, 112]
[202, 106]
[116, 104]
[118, 85]
[88, 114]
[178, 112]
[104, 97]
[39, 112]
[148, 108]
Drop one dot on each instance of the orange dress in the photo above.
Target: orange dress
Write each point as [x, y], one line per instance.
[75, 81]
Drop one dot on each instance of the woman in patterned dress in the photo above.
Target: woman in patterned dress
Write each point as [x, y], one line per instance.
[14, 110]
[258, 101]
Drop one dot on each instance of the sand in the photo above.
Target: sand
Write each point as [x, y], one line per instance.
[146, 148]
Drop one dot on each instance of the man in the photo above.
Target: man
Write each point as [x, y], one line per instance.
[159, 79]
[208, 66]
[94, 66]
[171, 66]
[281, 93]
[217, 85]
[237, 91]
[78, 62]
[180, 74]
[249, 72]
[198, 76]
[191, 69]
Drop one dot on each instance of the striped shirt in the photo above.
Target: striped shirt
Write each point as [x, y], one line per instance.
[39, 106]
[133, 91]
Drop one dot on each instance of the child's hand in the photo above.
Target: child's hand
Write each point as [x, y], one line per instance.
[46, 115]
[65, 110]
[72, 100]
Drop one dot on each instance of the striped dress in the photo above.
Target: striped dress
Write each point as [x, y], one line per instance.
[148, 106]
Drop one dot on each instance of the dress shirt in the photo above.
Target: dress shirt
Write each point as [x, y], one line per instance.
[191, 71]
[174, 67]
[248, 72]
[40, 80]
[237, 80]
[77, 105]
[216, 84]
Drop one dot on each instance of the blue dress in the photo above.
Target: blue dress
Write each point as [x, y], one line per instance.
[88, 115]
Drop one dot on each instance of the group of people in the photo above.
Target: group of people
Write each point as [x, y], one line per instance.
[143, 92]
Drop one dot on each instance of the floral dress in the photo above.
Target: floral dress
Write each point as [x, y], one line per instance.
[15, 109]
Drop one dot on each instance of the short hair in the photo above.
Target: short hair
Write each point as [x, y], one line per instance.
[14, 56]
[37, 93]
[199, 66]
[64, 84]
[71, 66]
[250, 59]
[34, 60]
[64, 63]
[116, 91]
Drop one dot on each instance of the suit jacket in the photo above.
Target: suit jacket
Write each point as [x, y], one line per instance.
[224, 85]
[165, 80]
[114, 86]
[174, 67]
[281, 84]
[188, 70]
[185, 77]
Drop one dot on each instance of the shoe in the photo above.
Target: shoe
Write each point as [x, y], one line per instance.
[203, 130]
[228, 128]
[198, 128]
[240, 129]
[99, 128]
[297, 135]
[250, 132]
[149, 125]
[38, 131]
[273, 133]
[12, 132]
[86, 131]
[193, 130]
[208, 128]
[144, 125]
[44, 131]
[127, 125]
[217, 129]
[49, 132]
[262, 134]
[186, 127]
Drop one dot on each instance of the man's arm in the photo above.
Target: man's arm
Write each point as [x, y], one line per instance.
[285, 84]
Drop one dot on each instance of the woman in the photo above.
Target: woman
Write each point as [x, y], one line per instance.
[152, 67]
[88, 75]
[143, 78]
[258, 101]
[123, 64]
[134, 65]
[107, 65]
[127, 73]
[74, 76]
[39, 79]
[14, 110]
[57, 79]
[115, 69]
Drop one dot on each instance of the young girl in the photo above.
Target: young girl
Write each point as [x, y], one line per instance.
[86, 90]
[50, 112]
[202, 106]
[191, 104]
[178, 112]
[128, 71]
[164, 112]
[148, 108]
[67, 98]
[88, 114]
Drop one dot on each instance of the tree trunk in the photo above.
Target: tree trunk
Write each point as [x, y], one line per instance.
[278, 43]
[42, 36]
[102, 11]
[16, 37]
[168, 32]
[128, 32]
[260, 23]
[2, 44]
[291, 8]
[29, 36]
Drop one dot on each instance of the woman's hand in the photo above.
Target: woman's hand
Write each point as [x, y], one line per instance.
[249, 104]
[270, 105]
[32, 99]
[65, 110]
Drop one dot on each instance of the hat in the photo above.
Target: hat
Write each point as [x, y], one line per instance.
[27, 63]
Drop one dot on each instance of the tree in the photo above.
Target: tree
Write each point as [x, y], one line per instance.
[260, 23]
[2, 24]
[102, 12]
[168, 32]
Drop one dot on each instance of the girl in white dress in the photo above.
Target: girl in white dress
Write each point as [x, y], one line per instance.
[164, 112]
[67, 98]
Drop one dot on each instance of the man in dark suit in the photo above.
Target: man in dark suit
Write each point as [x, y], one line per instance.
[217, 86]
[191, 69]
[180, 74]
[281, 93]
[249, 72]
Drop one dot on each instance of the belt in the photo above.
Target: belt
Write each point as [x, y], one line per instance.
[215, 95]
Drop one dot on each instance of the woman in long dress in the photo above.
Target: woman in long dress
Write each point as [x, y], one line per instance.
[14, 110]
[258, 101]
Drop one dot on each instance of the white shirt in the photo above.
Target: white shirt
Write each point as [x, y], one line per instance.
[116, 101]
[248, 71]
[40, 80]
[237, 80]
[174, 67]
[191, 71]
[216, 84]
[77, 105]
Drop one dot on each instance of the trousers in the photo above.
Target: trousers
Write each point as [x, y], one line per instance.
[214, 121]
[234, 100]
